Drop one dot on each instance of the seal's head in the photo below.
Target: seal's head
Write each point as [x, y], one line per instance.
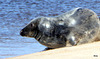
[31, 30]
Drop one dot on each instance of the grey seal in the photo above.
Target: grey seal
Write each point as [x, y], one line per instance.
[75, 27]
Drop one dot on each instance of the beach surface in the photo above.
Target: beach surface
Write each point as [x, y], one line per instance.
[85, 51]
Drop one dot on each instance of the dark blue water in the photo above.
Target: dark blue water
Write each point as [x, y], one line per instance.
[15, 14]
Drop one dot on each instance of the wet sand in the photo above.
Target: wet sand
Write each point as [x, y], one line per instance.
[85, 51]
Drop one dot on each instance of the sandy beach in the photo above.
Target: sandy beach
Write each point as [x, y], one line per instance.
[85, 51]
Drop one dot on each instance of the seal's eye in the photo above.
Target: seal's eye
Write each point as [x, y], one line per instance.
[32, 25]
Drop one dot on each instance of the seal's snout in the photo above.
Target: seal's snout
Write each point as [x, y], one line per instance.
[22, 33]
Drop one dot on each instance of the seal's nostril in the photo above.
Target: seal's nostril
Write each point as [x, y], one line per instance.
[21, 31]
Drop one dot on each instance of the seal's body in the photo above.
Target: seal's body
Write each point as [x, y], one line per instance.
[75, 27]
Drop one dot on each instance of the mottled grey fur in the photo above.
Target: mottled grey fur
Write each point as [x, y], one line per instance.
[74, 27]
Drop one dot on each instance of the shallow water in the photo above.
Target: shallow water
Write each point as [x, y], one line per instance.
[15, 14]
